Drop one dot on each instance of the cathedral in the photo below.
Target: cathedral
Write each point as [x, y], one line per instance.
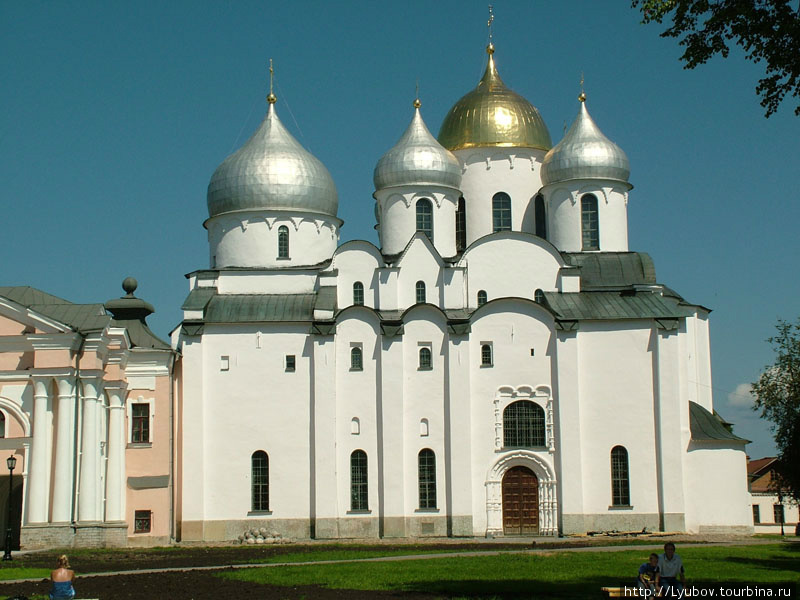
[502, 364]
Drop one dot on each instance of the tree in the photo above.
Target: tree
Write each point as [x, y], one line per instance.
[777, 396]
[767, 30]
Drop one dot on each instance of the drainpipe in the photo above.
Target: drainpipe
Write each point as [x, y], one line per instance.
[172, 525]
[78, 432]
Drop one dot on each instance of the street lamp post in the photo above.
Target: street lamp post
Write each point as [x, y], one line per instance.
[11, 461]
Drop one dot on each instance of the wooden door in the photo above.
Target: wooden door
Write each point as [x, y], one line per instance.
[520, 502]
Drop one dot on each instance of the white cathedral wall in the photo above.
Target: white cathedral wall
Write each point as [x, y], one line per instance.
[717, 496]
[419, 264]
[515, 266]
[616, 408]
[266, 282]
[512, 327]
[250, 238]
[486, 171]
[398, 221]
[356, 261]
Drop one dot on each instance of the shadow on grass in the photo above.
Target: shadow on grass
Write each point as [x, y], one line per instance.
[776, 562]
[516, 588]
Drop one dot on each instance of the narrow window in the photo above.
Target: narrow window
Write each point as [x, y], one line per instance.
[461, 225]
[420, 292]
[538, 296]
[424, 428]
[358, 293]
[356, 359]
[425, 363]
[777, 513]
[290, 363]
[283, 241]
[486, 355]
[539, 215]
[501, 212]
[482, 297]
[2, 424]
[140, 423]
[589, 223]
[142, 521]
[620, 484]
[425, 217]
[427, 479]
[523, 425]
[260, 481]
[756, 514]
[355, 426]
[358, 481]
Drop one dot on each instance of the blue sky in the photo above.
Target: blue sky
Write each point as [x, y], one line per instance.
[115, 115]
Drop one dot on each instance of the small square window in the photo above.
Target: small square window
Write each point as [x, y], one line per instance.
[142, 521]
[290, 363]
[224, 363]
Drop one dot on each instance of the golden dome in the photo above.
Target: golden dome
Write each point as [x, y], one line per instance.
[492, 115]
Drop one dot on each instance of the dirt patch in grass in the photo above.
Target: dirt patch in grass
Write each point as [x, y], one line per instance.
[195, 585]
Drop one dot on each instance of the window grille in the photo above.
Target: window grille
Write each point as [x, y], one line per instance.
[482, 297]
[425, 217]
[589, 223]
[358, 481]
[427, 479]
[283, 242]
[142, 521]
[420, 289]
[501, 212]
[425, 362]
[620, 484]
[140, 423]
[358, 293]
[486, 355]
[356, 359]
[260, 481]
[523, 425]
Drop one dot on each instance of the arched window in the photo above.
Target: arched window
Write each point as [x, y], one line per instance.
[356, 359]
[486, 355]
[358, 293]
[425, 217]
[482, 297]
[590, 227]
[461, 224]
[427, 478]
[539, 215]
[358, 481]
[355, 426]
[425, 363]
[620, 482]
[260, 481]
[501, 212]
[538, 296]
[424, 428]
[420, 292]
[283, 241]
[523, 425]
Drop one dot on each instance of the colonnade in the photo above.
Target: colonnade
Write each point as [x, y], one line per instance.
[81, 433]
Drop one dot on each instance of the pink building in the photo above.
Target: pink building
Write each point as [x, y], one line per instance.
[85, 406]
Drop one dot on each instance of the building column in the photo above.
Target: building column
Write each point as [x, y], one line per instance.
[65, 449]
[115, 469]
[90, 444]
[38, 492]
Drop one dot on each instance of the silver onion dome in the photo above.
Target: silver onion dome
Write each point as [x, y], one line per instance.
[272, 171]
[585, 153]
[417, 159]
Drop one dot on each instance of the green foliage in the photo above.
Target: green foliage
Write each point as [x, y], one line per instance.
[566, 574]
[12, 572]
[767, 30]
[777, 396]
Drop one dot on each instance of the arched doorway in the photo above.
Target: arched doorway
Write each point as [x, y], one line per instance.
[520, 502]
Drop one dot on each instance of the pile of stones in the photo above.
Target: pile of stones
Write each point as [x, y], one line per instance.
[262, 536]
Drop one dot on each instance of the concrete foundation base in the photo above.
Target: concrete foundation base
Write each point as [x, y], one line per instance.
[41, 536]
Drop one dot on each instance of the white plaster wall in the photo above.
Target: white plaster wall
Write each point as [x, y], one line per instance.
[616, 403]
[266, 282]
[357, 261]
[419, 264]
[513, 265]
[250, 239]
[424, 394]
[513, 327]
[398, 212]
[767, 523]
[356, 396]
[716, 493]
[255, 405]
[486, 171]
[563, 208]
[191, 429]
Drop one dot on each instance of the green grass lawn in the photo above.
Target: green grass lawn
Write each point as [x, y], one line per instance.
[562, 574]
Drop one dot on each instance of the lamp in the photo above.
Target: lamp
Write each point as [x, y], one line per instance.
[11, 462]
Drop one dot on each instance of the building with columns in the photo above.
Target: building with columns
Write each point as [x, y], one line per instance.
[502, 364]
[80, 388]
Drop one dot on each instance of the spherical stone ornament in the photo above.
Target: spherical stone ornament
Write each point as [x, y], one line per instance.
[129, 285]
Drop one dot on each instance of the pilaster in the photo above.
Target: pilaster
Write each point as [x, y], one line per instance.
[38, 492]
[90, 445]
[115, 468]
[65, 450]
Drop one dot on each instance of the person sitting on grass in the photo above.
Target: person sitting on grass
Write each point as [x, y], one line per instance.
[62, 578]
[647, 574]
[670, 569]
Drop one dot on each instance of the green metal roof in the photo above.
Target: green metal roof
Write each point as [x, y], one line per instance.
[80, 317]
[614, 305]
[326, 298]
[254, 308]
[198, 298]
[612, 269]
[708, 427]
